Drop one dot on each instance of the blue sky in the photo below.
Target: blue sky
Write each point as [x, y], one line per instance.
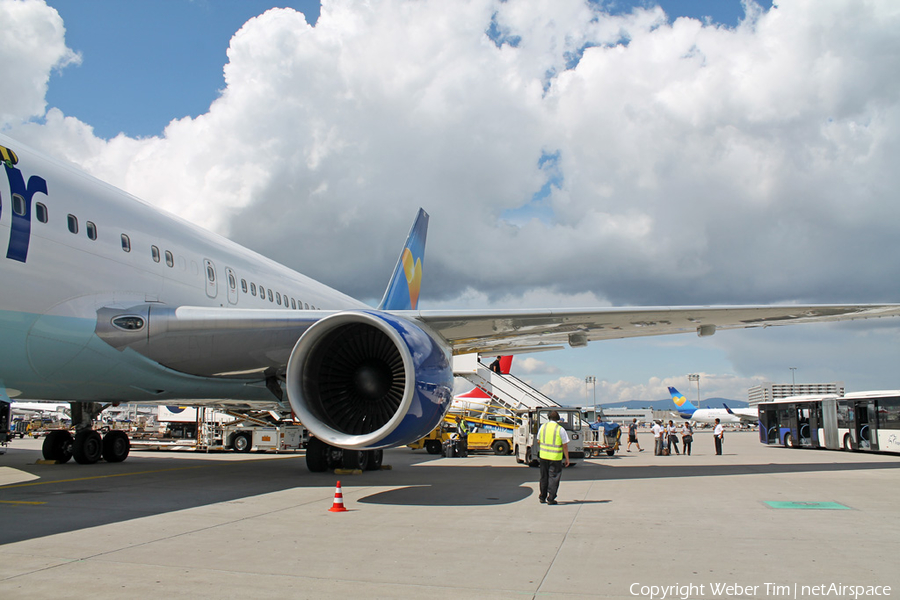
[707, 161]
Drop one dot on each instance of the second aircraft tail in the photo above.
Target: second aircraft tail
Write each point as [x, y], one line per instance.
[684, 406]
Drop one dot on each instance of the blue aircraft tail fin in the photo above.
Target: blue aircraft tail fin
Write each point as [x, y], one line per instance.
[684, 406]
[402, 292]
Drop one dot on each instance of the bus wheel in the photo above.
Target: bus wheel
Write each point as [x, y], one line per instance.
[847, 445]
[788, 440]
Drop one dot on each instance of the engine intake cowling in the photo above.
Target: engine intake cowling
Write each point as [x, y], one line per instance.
[367, 380]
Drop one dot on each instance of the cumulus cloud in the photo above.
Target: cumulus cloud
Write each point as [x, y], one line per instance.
[31, 46]
[566, 155]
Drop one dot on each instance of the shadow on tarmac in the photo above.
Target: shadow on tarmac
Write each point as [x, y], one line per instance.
[72, 497]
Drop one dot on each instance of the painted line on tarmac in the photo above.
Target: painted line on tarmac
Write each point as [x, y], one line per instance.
[19, 502]
[34, 483]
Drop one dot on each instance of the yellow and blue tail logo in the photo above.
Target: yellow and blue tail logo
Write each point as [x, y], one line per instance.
[684, 406]
[403, 290]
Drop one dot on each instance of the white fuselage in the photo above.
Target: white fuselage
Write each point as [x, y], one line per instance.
[90, 245]
[709, 415]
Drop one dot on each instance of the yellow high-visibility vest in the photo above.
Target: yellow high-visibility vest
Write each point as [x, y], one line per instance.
[551, 441]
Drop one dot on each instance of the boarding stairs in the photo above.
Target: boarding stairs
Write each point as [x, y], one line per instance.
[507, 391]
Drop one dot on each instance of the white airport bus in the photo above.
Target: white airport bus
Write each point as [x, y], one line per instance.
[868, 421]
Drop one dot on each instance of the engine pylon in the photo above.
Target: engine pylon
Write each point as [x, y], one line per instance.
[338, 505]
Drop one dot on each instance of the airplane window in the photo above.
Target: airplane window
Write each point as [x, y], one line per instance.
[40, 212]
[91, 230]
[231, 282]
[244, 285]
[126, 243]
[73, 223]
[252, 289]
[154, 251]
[293, 303]
[18, 204]
[277, 298]
[306, 306]
[210, 273]
[271, 299]
[170, 260]
[262, 292]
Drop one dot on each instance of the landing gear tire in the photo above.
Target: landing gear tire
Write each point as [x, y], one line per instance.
[87, 447]
[116, 446]
[433, 446]
[317, 455]
[58, 446]
[241, 442]
[355, 459]
[376, 457]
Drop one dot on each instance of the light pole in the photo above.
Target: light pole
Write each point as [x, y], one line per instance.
[590, 379]
[793, 382]
[696, 377]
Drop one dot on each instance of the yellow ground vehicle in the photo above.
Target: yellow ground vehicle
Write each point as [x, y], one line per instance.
[497, 441]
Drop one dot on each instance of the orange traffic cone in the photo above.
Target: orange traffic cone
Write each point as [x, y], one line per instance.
[338, 505]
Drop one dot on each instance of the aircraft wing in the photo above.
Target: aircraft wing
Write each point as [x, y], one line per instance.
[512, 330]
[238, 342]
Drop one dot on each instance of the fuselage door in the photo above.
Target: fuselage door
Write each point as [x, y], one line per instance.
[212, 287]
[231, 282]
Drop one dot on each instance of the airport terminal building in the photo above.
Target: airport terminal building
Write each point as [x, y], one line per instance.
[768, 392]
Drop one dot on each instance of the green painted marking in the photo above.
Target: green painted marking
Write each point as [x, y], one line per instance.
[808, 505]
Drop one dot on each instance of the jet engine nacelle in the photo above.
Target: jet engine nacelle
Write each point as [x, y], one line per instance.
[366, 380]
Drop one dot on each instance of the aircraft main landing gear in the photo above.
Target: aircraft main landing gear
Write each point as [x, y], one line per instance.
[87, 446]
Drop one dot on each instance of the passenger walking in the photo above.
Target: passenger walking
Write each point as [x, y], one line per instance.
[657, 438]
[718, 436]
[673, 437]
[687, 437]
[632, 436]
[554, 444]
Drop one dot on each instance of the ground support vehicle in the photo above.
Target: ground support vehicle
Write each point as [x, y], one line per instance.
[498, 442]
[608, 442]
[527, 448]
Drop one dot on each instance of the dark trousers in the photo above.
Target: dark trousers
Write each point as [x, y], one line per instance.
[673, 444]
[687, 444]
[718, 444]
[551, 473]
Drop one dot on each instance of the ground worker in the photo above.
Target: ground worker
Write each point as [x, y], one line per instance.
[554, 443]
